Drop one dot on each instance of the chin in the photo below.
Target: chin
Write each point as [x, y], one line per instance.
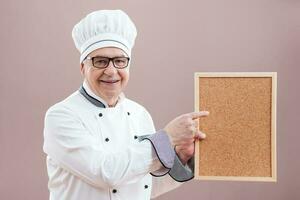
[110, 94]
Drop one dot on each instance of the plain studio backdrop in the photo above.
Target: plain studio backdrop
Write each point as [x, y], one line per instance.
[40, 66]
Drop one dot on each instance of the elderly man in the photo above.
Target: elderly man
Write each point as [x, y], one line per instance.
[101, 145]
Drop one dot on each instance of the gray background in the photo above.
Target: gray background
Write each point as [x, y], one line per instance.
[40, 66]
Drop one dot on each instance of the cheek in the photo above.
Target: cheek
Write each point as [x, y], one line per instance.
[125, 76]
[94, 75]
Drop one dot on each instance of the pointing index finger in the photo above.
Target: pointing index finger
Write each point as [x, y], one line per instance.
[195, 115]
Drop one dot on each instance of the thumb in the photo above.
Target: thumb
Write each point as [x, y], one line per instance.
[200, 135]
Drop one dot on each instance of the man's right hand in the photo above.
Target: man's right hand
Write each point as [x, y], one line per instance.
[183, 129]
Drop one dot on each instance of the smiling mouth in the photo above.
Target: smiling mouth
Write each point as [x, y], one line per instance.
[110, 81]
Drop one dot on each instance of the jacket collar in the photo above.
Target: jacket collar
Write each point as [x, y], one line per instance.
[94, 99]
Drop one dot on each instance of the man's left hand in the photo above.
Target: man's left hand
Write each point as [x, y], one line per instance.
[186, 151]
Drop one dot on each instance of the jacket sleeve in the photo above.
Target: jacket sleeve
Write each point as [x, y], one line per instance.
[165, 180]
[67, 141]
[178, 174]
[162, 182]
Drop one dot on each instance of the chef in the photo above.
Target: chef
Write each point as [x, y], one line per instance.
[101, 145]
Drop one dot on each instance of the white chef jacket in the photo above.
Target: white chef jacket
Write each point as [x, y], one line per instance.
[93, 153]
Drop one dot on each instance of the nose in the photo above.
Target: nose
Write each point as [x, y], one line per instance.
[110, 69]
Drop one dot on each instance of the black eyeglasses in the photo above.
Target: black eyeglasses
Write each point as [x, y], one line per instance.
[103, 62]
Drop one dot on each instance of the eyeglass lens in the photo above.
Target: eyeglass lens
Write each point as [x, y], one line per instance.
[102, 62]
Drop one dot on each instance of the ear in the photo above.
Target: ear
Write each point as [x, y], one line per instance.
[82, 69]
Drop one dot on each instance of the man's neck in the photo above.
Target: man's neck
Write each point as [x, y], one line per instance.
[111, 102]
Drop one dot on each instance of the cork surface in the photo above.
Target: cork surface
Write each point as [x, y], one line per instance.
[238, 127]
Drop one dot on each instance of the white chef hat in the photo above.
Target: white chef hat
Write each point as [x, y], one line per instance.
[104, 28]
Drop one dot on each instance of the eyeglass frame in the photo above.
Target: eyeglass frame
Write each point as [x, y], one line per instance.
[109, 59]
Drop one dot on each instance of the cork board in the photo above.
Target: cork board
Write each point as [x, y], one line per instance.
[241, 127]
